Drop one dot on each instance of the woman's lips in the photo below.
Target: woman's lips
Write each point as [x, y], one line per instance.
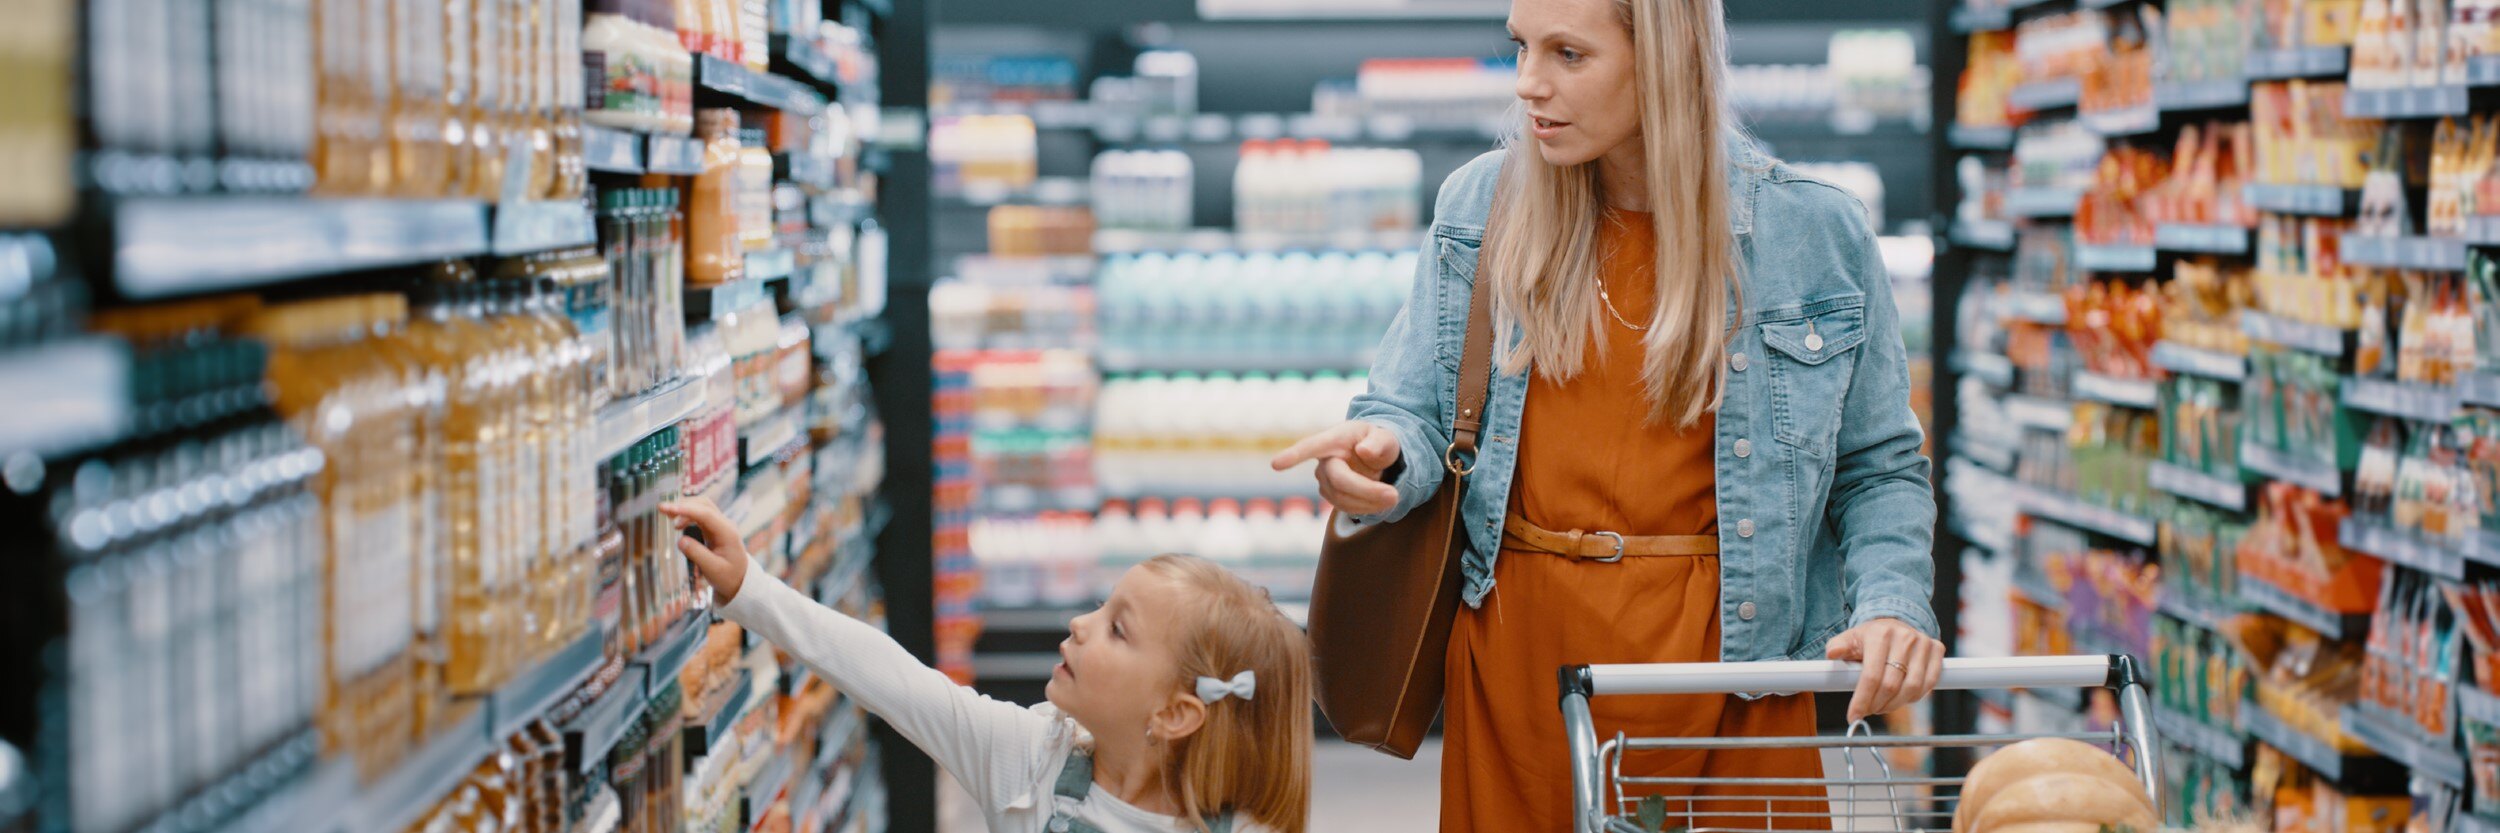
[1546, 128]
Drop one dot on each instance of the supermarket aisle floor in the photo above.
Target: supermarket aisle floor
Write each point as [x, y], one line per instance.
[1354, 790]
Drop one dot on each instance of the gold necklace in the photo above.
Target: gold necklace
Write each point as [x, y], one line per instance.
[1610, 308]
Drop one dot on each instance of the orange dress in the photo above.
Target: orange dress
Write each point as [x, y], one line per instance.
[1590, 459]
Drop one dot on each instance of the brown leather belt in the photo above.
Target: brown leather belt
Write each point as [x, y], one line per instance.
[1518, 533]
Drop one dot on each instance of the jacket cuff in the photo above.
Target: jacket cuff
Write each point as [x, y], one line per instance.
[1415, 477]
[1913, 613]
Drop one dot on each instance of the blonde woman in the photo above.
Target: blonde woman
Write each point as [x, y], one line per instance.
[1698, 369]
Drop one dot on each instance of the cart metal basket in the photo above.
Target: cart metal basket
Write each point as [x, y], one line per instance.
[1861, 797]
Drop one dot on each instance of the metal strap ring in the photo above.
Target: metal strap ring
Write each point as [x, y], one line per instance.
[1449, 458]
[1618, 556]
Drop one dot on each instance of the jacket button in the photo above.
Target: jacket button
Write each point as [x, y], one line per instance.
[1737, 361]
[1744, 528]
[1745, 611]
[1744, 448]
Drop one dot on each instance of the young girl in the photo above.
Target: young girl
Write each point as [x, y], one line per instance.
[1181, 706]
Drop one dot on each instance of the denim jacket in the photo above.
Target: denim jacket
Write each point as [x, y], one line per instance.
[1826, 518]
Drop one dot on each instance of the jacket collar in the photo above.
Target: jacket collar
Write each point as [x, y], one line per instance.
[1746, 167]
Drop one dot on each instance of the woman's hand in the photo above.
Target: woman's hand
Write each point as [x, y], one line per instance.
[1901, 665]
[723, 561]
[1351, 457]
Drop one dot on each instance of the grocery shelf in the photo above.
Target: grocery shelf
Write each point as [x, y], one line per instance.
[2200, 239]
[422, 779]
[529, 696]
[2304, 62]
[2035, 412]
[304, 803]
[2179, 358]
[2202, 614]
[2303, 612]
[2470, 823]
[2482, 71]
[762, 88]
[590, 734]
[2298, 335]
[2029, 585]
[2132, 121]
[2316, 754]
[665, 659]
[2065, 509]
[1991, 368]
[1030, 619]
[69, 395]
[2430, 254]
[1978, 137]
[525, 227]
[1967, 18]
[1991, 457]
[623, 423]
[2482, 230]
[2225, 748]
[2400, 547]
[2216, 94]
[2100, 258]
[1137, 241]
[1992, 235]
[608, 150]
[800, 58]
[2046, 95]
[1113, 360]
[2042, 201]
[2403, 743]
[771, 264]
[701, 736]
[2319, 477]
[166, 246]
[2198, 486]
[2131, 393]
[2480, 389]
[2035, 307]
[2306, 200]
[674, 155]
[2404, 400]
[769, 437]
[2405, 102]
[2478, 705]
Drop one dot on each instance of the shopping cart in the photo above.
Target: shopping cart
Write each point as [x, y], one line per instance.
[1867, 797]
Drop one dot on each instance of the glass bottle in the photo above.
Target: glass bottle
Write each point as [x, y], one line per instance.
[713, 250]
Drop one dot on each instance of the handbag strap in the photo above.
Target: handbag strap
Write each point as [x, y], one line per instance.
[1475, 367]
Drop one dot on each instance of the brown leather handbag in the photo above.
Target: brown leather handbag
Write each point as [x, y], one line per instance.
[1387, 593]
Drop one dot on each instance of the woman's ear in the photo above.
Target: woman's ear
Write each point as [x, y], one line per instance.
[1180, 717]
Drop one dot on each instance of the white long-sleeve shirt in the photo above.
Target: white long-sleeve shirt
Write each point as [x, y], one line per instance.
[1008, 756]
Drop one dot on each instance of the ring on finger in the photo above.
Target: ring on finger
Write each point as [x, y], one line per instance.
[1896, 665]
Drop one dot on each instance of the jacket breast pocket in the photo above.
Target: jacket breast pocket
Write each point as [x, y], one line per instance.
[1455, 269]
[1812, 359]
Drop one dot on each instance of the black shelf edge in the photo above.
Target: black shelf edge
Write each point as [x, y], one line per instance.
[2400, 741]
[702, 736]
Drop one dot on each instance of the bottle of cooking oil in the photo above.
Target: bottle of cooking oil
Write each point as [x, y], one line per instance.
[425, 389]
[339, 394]
[417, 114]
[517, 469]
[475, 425]
[490, 26]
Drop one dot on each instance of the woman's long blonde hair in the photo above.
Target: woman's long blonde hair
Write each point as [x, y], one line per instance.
[1542, 238]
[1253, 756]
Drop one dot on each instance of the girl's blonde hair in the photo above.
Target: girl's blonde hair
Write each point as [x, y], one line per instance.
[1253, 756]
[1542, 240]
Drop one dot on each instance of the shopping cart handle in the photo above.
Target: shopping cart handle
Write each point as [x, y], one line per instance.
[2089, 671]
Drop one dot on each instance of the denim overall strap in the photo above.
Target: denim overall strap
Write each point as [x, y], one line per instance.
[1076, 780]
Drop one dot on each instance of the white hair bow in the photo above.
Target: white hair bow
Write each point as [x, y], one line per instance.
[1243, 685]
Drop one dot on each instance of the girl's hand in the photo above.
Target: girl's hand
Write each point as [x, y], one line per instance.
[723, 561]
[1901, 665]
[1351, 457]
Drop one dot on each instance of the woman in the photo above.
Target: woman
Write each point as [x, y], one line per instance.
[1700, 355]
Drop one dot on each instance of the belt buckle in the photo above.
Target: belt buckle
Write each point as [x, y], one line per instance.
[1618, 556]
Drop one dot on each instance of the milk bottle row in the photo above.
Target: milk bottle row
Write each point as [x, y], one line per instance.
[1255, 309]
[1306, 189]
